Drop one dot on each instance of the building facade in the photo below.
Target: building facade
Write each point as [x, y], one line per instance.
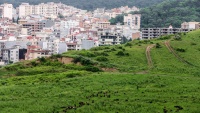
[150, 33]
[48, 10]
[189, 25]
[7, 11]
[132, 21]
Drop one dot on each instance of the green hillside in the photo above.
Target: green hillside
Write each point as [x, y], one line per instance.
[160, 75]
[91, 4]
[167, 13]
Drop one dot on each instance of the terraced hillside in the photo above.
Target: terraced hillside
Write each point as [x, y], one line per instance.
[108, 79]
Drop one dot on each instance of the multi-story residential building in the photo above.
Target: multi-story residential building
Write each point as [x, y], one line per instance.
[13, 29]
[189, 25]
[34, 51]
[103, 24]
[69, 24]
[149, 33]
[48, 10]
[26, 31]
[35, 26]
[133, 21]
[110, 38]
[10, 55]
[7, 11]
[25, 9]
[197, 26]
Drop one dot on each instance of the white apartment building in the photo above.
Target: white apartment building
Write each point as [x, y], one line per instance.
[69, 24]
[10, 55]
[48, 10]
[25, 9]
[189, 25]
[132, 20]
[7, 11]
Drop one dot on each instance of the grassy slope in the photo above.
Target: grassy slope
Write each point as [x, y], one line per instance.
[133, 62]
[49, 93]
[190, 43]
[51, 86]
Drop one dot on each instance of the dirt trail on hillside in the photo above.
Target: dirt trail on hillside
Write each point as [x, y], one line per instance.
[148, 55]
[167, 44]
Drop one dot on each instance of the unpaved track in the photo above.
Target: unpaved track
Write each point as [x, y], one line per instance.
[167, 44]
[148, 55]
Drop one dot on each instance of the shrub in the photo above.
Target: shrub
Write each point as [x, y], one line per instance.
[180, 50]
[120, 53]
[92, 68]
[120, 47]
[165, 37]
[83, 61]
[42, 59]
[102, 58]
[128, 44]
[77, 59]
[58, 56]
[33, 63]
[87, 54]
[113, 49]
[106, 48]
[107, 51]
[192, 43]
[104, 54]
[158, 45]
[127, 54]
[177, 37]
[11, 68]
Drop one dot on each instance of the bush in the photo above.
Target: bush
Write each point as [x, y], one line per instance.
[113, 49]
[92, 69]
[106, 48]
[192, 43]
[165, 37]
[102, 58]
[87, 54]
[128, 44]
[158, 45]
[58, 56]
[103, 53]
[33, 63]
[177, 37]
[11, 68]
[180, 50]
[120, 53]
[83, 61]
[42, 59]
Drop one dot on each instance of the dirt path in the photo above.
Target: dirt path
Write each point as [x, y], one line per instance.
[167, 44]
[148, 55]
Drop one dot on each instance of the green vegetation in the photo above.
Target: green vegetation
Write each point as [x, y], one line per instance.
[170, 12]
[107, 79]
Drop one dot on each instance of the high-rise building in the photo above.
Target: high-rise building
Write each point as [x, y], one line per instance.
[132, 20]
[49, 10]
[7, 11]
[25, 9]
